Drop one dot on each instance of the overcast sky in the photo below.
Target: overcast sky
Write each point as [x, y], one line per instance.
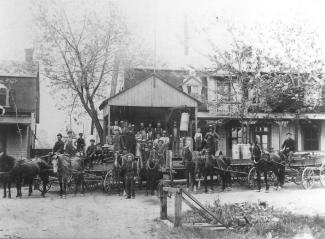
[16, 30]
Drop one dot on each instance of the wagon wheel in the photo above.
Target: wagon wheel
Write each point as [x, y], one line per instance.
[298, 179]
[322, 176]
[70, 183]
[251, 178]
[108, 181]
[308, 178]
[38, 184]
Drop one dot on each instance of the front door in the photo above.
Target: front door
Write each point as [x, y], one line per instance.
[261, 134]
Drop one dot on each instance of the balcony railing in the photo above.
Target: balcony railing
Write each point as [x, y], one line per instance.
[229, 108]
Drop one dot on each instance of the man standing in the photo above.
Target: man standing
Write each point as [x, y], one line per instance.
[257, 154]
[189, 167]
[130, 175]
[116, 127]
[80, 144]
[198, 139]
[59, 145]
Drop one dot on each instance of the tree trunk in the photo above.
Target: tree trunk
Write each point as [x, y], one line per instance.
[116, 68]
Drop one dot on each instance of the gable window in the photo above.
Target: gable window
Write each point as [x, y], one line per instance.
[4, 95]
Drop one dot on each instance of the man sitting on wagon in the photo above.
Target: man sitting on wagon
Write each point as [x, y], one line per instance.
[288, 146]
[59, 145]
[90, 153]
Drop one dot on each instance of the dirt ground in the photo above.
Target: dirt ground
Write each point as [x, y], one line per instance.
[97, 215]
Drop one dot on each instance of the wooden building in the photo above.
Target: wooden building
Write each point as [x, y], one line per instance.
[153, 99]
[19, 106]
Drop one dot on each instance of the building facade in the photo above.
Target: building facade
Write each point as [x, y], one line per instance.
[220, 99]
[19, 106]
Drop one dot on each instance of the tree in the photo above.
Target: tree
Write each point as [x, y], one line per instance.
[283, 78]
[81, 56]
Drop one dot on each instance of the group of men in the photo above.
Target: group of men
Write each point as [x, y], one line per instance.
[95, 154]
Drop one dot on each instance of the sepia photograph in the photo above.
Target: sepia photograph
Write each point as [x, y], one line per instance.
[162, 119]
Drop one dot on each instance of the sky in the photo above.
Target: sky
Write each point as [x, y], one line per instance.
[160, 19]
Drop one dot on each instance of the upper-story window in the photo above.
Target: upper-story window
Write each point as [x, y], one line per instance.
[223, 88]
[4, 95]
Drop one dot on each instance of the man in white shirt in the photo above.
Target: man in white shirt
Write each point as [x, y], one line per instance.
[198, 139]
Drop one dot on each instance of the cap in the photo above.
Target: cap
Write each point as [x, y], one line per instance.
[80, 133]
[105, 146]
[59, 134]
[69, 131]
[289, 133]
[92, 140]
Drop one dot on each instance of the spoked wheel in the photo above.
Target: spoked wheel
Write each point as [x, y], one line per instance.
[298, 178]
[108, 181]
[252, 177]
[322, 177]
[308, 178]
[38, 184]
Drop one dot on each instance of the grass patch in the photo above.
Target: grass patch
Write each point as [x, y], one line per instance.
[250, 220]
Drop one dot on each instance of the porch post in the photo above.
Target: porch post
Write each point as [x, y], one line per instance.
[196, 112]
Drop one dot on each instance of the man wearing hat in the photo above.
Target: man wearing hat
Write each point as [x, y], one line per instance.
[69, 147]
[130, 175]
[90, 152]
[80, 144]
[59, 145]
[288, 145]
[189, 166]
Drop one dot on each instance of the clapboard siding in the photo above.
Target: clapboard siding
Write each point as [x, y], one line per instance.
[152, 92]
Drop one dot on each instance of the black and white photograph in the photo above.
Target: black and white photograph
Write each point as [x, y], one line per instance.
[162, 119]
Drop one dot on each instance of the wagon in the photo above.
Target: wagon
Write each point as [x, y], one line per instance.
[303, 169]
[100, 176]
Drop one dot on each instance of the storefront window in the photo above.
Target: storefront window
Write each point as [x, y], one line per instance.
[311, 137]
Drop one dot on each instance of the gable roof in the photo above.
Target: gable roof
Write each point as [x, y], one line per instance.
[19, 68]
[133, 76]
[153, 93]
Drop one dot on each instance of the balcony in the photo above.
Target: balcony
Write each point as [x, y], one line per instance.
[227, 108]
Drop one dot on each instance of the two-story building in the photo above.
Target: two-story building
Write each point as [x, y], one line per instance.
[19, 105]
[220, 105]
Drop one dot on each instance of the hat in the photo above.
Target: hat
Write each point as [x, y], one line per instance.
[59, 134]
[92, 140]
[164, 131]
[105, 146]
[80, 133]
[289, 133]
[69, 131]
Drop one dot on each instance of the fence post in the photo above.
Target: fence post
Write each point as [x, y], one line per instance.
[163, 205]
[178, 208]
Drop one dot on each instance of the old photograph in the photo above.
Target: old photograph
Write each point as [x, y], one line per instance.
[162, 119]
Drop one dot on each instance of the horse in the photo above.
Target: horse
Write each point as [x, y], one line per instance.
[119, 171]
[269, 162]
[6, 164]
[66, 167]
[27, 170]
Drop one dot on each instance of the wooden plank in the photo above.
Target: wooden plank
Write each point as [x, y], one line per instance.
[163, 206]
[178, 209]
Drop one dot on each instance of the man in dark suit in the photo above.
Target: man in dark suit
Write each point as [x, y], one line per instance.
[289, 145]
[59, 145]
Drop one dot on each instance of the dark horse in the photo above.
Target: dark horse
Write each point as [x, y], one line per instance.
[66, 167]
[27, 171]
[265, 162]
[6, 164]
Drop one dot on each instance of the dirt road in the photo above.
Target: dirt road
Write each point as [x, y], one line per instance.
[98, 215]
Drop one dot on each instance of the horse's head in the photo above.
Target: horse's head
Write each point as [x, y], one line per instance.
[55, 162]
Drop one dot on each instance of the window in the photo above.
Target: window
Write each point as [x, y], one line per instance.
[237, 137]
[311, 137]
[4, 95]
[262, 136]
[188, 89]
[223, 88]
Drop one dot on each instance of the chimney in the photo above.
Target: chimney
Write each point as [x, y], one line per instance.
[29, 55]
